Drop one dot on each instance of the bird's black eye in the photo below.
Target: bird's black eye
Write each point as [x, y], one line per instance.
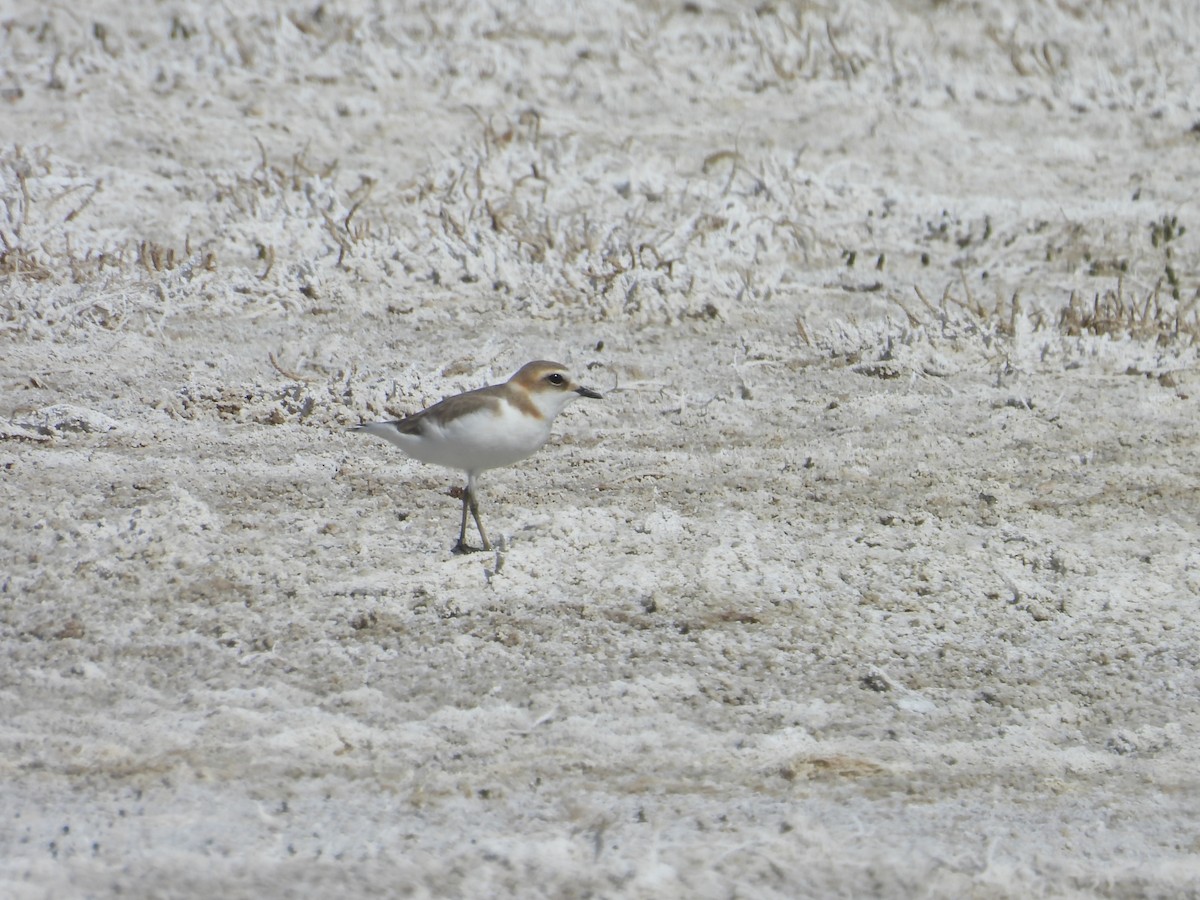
[555, 378]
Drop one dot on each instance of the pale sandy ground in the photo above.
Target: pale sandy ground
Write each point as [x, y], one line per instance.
[836, 593]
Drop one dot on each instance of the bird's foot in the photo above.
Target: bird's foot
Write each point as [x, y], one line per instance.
[461, 548]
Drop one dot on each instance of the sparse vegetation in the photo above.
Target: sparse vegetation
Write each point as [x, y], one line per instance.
[1000, 318]
[1163, 234]
[1114, 314]
[36, 202]
[1166, 230]
[41, 203]
[1111, 313]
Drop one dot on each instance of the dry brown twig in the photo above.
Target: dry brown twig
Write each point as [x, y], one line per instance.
[285, 372]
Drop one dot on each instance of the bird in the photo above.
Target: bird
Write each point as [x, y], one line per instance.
[487, 428]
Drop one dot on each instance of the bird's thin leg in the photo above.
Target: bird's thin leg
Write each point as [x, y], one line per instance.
[472, 504]
[475, 515]
[461, 546]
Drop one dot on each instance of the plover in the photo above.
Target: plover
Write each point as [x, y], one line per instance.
[484, 429]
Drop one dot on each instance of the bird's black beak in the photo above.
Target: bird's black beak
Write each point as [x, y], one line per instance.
[588, 392]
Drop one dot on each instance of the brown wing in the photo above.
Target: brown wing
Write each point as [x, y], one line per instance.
[451, 408]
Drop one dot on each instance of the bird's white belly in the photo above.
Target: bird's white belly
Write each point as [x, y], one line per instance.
[478, 441]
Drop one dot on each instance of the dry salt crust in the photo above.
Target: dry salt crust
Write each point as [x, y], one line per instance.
[839, 592]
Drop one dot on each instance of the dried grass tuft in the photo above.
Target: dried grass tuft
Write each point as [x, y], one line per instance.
[1114, 314]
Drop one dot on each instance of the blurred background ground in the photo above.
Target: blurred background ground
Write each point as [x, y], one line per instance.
[873, 574]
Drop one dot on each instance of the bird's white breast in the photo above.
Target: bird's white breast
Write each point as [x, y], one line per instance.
[492, 436]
